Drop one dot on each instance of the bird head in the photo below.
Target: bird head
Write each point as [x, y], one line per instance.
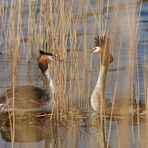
[44, 59]
[102, 46]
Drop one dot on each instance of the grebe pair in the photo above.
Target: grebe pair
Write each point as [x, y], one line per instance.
[34, 98]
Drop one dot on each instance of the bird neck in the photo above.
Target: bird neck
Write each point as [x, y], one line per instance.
[98, 95]
[101, 82]
[49, 83]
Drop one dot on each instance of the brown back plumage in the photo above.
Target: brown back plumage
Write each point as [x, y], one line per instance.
[26, 97]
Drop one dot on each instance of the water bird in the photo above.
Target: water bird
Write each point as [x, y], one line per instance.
[29, 97]
[98, 101]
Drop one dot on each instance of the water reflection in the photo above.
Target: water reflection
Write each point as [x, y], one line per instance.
[28, 130]
[36, 130]
[39, 130]
[48, 133]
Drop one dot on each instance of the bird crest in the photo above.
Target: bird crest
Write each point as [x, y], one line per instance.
[46, 56]
[101, 40]
[45, 53]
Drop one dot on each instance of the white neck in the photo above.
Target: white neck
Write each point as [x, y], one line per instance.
[101, 83]
[99, 91]
[49, 83]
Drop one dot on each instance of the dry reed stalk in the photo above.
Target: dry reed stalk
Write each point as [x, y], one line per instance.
[114, 95]
[133, 35]
[131, 45]
[146, 111]
[146, 89]
[72, 67]
[113, 32]
[101, 121]
[85, 92]
[12, 45]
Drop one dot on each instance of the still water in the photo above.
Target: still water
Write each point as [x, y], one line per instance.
[82, 131]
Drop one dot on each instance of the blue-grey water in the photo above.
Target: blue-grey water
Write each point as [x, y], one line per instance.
[79, 133]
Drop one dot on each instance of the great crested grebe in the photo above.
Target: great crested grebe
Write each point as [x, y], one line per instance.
[106, 58]
[32, 98]
[122, 106]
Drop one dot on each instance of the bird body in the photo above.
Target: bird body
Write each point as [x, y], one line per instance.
[106, 58]
[122, 106]
[99, 90]
[32, 98]
[25, 98]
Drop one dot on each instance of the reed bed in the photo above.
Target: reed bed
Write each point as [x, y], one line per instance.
[69, 28]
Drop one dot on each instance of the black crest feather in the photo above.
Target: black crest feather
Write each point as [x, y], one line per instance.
[45, 53]
[101, 40]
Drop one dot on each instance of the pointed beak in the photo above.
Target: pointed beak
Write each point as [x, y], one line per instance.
[51, 57]
[55, 58]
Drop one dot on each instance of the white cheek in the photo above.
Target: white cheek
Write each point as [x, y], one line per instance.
[97, 49]
[50, 57]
